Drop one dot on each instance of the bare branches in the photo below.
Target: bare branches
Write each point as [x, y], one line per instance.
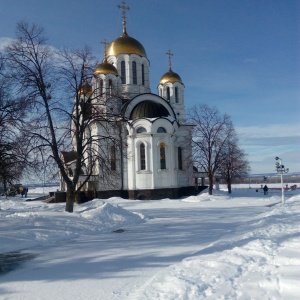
[62, 108]
[12, 162]
[234, 164]
[211, 132]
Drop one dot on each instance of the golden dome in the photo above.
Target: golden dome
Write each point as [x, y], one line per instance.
[126, 45]
[106, 68]
[85, 89]
[170, 76]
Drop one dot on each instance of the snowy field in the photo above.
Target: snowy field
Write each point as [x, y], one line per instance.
[242, 246]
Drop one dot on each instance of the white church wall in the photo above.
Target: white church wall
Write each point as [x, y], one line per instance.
[130, 89]
[153, 176]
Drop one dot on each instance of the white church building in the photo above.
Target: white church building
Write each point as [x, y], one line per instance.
[158, 154]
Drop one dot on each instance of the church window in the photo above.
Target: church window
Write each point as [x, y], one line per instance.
[162, 155]
[142, 157]
[134, 77]
[143, 74]
[168, 93]
[123, 72]
[101, 87]
[161, 130]
[110, 86]
[160, 92]
[113, 158]
[176, 95]
[179, 158]
[141, 130]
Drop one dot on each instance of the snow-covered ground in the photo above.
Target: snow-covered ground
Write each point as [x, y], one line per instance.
[242, 246]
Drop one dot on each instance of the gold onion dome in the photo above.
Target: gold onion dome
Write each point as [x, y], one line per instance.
[170, 76]
[126, 45]
[85, 89]
[105, 68]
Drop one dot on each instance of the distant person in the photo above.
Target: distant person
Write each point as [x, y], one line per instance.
[22, 191]
[266, 190]
[26, 191]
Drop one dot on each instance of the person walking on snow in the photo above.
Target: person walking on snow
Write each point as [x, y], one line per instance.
[266, 190]
[26, 191]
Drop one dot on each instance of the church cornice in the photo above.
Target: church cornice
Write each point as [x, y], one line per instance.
[128, 102]
[152, 121]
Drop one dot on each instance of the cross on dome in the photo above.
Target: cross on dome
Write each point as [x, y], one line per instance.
[105, 44]
[124, 8]
[170, 54]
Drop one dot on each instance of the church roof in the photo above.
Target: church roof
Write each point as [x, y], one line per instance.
[106, 68]
[126, 45]
[170, 76]
[148, 109]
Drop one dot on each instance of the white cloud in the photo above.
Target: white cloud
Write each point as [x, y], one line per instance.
[269, 131]
[263, 143]
[4, 41]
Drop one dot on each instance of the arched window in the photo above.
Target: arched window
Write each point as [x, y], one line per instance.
[110, 87]
[113, 158]
[161, 130]
[141, 130]
[123, 72]
[160, 92]
[134, 77]
[176, 95]
[168, 93]
[142, 157]
[143, 74]
[179, 158]
[101, 87]
[162, 155]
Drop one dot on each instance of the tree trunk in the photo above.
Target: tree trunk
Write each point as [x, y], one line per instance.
[229, 187]
[77, 198]
[70, 198]
[4, 184]
[210, 185]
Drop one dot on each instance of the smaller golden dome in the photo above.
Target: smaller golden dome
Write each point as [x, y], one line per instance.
[170, 76]
[105, 68]
[85, 89]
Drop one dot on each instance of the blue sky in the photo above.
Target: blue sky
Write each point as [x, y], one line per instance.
[239, 55]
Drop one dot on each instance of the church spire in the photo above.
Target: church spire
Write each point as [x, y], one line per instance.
[124, 8]
[170, 54]
[105, 44]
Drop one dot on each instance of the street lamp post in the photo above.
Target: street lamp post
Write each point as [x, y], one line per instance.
[280, 170]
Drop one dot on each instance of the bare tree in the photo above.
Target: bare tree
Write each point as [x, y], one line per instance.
[63, 106]
[12, 162]
[211, 132]
[234, 164]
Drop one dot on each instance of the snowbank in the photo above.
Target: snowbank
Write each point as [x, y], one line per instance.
[239, 246]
